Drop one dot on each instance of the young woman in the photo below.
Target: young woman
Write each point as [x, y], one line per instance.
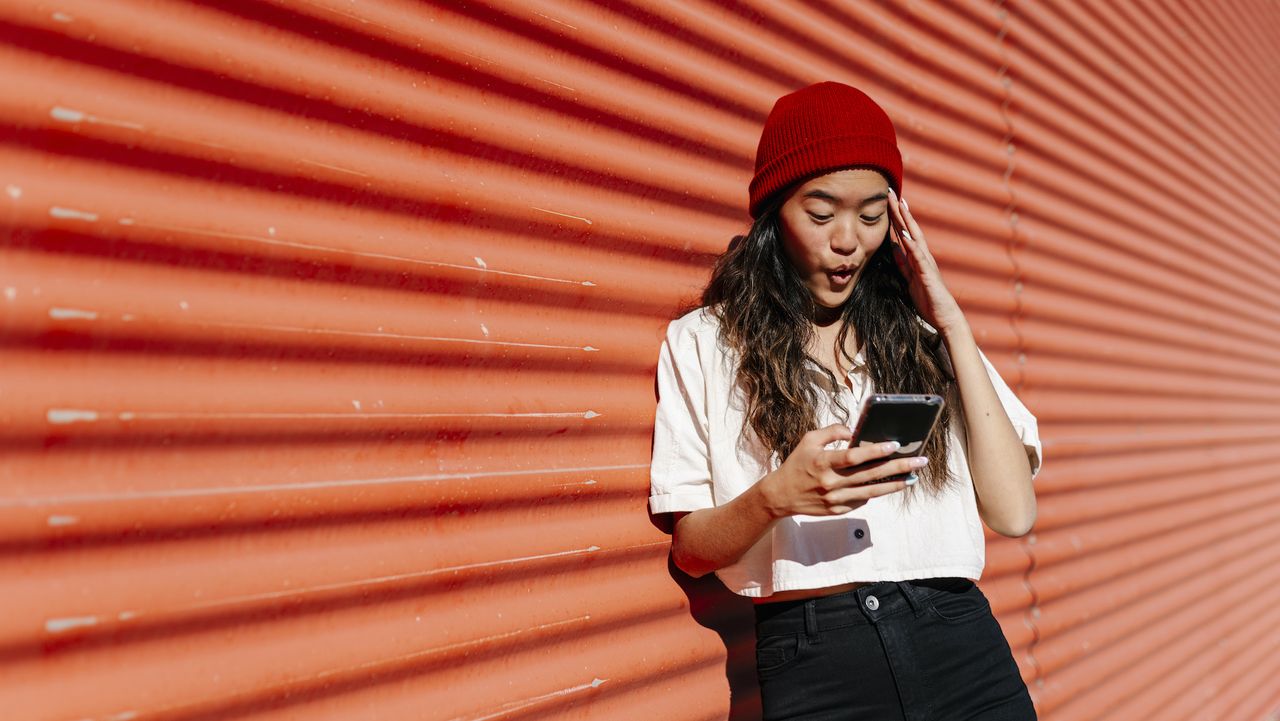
[866, 606]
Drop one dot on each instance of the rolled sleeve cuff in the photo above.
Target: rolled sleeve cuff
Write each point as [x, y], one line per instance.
[678, 502]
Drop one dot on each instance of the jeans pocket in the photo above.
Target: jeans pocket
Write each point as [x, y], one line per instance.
[774, 653]
[954, 606]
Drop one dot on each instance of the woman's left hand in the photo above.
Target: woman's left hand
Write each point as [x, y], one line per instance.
[934, 302]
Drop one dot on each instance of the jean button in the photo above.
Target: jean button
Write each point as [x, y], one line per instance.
[873, 603]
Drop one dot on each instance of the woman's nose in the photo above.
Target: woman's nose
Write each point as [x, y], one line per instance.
[844, 238]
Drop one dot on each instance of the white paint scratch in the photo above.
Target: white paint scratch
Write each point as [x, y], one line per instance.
[73, 214]
[287, 416]
[394, 336]
[484, 329]
[10, 293]
[366, 583]
[58, 625]
[63, 416]
[335, 167]
[55, 521]
[122, 716]
[347, 251]
[13, 191]
[62, 17]
[565, 215]
[127, 496]
[480, 262]
[72, 314]
[184, 305]
[558, 22]
[552, 82]
[70, 115]
[514, 706]
[356, 403]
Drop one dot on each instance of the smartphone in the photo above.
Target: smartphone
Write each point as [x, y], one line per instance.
[906, 418]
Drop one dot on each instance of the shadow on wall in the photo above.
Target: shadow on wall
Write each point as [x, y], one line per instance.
[732, 617]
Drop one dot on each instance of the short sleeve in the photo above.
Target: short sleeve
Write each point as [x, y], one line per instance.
[1023, 421]
[680, 474]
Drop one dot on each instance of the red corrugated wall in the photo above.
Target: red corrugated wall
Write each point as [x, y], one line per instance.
[328, 333]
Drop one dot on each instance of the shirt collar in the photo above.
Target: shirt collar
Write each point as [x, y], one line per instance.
[859, 362]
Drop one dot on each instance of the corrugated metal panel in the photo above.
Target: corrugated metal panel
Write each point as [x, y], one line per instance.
[329, 332]
[1145, 194]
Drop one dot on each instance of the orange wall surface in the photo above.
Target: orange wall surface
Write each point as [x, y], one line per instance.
[328, 334]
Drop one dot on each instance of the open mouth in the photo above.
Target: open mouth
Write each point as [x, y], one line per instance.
[841, 277]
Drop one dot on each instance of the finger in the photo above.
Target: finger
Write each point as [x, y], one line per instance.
[879, 471]
[830, 434]
[911, 225]
[858, 455]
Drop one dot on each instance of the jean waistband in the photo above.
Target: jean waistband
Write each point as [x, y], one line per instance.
[865, 605]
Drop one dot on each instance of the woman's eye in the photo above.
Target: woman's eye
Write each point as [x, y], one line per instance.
[872, 220]
[820, 218]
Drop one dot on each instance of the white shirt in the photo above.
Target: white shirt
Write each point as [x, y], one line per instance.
[702, 458]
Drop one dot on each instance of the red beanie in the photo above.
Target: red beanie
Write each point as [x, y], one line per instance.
[818, 129]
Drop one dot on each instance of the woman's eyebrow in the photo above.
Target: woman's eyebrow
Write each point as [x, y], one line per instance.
[824, 195]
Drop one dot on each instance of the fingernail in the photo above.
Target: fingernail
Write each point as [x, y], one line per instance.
[911, 480]
[918, 462]
[906, 235]
[890, 447]
[904, 204]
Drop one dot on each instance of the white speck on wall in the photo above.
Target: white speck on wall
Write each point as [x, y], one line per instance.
[62, 17]
[10, 293]
[271, 231]
[183, 305]
[356, 403]
[66, 115]
[13, 191]
[126, 221]
[58, 625]
[62, 520]
[73, 214]
[484, 329]
[72, 314]
[590, 414]
[127, 317]
[480, 262]
[63, 416]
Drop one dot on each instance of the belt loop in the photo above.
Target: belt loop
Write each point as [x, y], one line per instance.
[811, 621]
[910, 592]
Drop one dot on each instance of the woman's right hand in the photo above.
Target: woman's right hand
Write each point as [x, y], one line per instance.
[814, 481]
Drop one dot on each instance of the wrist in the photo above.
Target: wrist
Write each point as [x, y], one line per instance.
[765, 498]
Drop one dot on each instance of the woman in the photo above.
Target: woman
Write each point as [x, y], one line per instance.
[866, 606]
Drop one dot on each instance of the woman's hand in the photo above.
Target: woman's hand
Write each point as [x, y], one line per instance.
[817, 482]
[924, 280]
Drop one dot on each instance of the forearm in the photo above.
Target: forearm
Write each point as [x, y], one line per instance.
[998, 462]
[712, 538]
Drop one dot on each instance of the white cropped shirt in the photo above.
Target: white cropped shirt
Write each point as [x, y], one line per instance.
[702, 458]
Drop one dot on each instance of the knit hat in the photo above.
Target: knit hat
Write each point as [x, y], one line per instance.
[818, 129]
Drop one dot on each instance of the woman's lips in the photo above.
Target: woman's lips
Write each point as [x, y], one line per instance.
[841, 277]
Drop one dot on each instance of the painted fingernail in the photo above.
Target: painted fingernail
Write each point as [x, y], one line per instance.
[904, 204]
[918, 462]
[890, 447]
[911, 479]
[906, 235]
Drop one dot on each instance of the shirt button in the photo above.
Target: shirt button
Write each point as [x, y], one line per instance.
[859, 533]
[873, 603]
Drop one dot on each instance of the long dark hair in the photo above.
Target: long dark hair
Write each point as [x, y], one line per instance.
[765, 315]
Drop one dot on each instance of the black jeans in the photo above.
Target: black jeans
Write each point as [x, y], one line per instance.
[921, 650]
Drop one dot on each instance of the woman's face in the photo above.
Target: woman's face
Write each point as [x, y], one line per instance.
[831, 226]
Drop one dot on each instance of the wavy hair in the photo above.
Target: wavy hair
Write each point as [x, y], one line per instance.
[765, 316]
